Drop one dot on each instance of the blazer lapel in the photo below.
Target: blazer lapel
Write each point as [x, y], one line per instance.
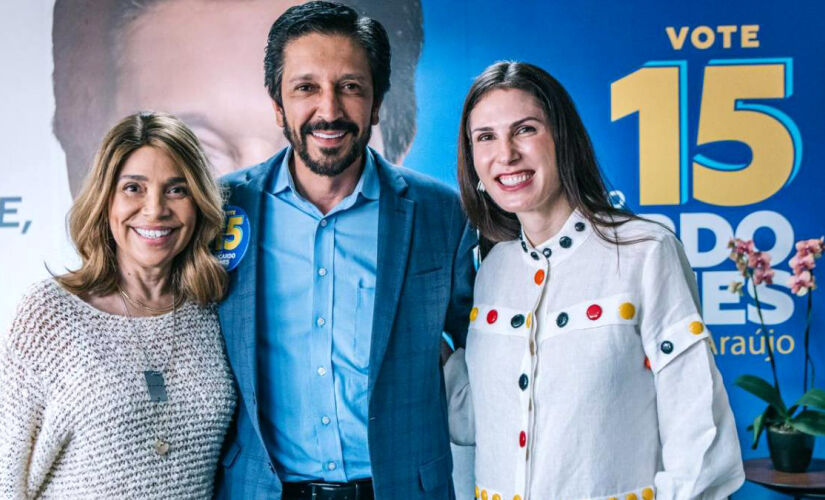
[238, 313]
[395, 220]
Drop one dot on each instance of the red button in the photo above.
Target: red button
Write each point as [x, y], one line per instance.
[594, 312]
[522, 439]
[647, 363]
[492, 316]
[539, 277]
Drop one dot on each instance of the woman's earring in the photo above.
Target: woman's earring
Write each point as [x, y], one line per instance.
[480, 187]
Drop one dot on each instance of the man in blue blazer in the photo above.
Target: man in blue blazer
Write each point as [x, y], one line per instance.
[354, 267]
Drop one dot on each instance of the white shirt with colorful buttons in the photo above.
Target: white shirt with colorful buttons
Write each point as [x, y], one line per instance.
[590, 373]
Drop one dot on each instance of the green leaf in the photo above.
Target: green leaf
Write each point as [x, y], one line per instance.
[814, 397]
[758, 426]
[763, 390]
[810, 422]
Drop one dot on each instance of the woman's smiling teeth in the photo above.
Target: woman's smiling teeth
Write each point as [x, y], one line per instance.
[328, 135]
[514, 179]
[153, 234]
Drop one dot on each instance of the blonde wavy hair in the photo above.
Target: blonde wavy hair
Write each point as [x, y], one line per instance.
[196, 273]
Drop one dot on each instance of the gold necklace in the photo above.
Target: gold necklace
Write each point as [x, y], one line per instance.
[153, 310]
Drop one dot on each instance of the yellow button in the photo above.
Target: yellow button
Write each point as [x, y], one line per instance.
[476, 491]
[696, 327]
[612, 498]
[529, 319]
[647, 494]
[496, 497]
[631, 496]
[483, 494]
[627, 310]
[517, 497]
[474, 314]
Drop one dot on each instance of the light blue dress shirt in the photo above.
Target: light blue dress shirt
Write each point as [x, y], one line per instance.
[316, 295]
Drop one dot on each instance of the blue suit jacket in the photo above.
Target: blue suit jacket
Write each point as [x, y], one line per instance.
[423, 286]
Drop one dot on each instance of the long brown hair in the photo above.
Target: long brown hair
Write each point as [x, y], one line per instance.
[196, 273]
[581, 179]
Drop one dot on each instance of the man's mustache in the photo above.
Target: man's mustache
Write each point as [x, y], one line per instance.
[336, 125]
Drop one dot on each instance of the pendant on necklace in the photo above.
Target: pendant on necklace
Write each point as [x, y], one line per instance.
[161, 447]
[155, 385]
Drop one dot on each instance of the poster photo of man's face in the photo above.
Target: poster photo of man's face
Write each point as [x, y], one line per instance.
[202, 61]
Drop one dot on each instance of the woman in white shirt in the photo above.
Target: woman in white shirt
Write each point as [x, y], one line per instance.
[587, 357]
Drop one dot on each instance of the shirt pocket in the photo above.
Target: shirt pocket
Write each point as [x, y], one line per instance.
[362, 338]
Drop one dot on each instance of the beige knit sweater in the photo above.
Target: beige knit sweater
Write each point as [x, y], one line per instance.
[75, 416]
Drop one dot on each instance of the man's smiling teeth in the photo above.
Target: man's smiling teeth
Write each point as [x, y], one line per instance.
[153, 233]
[513, 179]
[328, 135]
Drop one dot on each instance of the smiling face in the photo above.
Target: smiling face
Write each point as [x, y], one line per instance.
[327, 106]
[514, 153]
[152, 216]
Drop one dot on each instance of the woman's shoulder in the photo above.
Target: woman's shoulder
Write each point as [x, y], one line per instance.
[500, 252]
[39, 312]
[643, 232]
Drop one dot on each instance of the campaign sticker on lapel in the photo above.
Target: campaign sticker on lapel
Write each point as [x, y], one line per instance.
[231, 246]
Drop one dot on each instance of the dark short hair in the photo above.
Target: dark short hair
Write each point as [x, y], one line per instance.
[85, 39]
[579, 174]
[328, 19]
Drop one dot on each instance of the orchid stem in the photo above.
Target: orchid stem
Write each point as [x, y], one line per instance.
[808, 359]
[769, 335]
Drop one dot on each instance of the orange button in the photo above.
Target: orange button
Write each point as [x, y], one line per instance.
[539, 277]
[696, 327]
[627, 310]
[473, 314]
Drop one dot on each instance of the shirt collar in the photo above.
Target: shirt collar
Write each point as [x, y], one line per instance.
[368, 185]
[563, 244]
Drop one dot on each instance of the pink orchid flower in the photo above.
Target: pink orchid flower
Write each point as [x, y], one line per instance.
[763, 274]
[741, 247]
[801, 283]
[759, 260]
[800, 262]
[814, 246]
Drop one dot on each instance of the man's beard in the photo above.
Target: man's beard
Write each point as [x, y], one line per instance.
[329, 165]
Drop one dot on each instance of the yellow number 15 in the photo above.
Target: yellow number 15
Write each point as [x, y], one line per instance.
[658, 92]
[232, 235]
